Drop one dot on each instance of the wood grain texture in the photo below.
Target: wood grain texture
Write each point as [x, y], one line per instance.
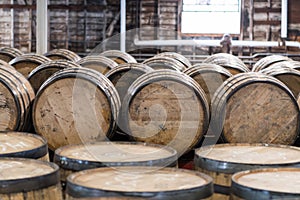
[27, 62]
[209, 76]
[124, 75]
[41, 73]
[76, 108]
[230, 62]
[162, 108]
[256, 108]
[99, 63]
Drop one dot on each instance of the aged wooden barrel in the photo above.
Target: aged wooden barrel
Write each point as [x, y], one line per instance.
[27, 62]
[289, 76]
[255, 108]
[164, 63]
[278, 183]
[9, 53]
[148, 182]
[16, 96]
[165, 107]
[62, 54]
[209, 76]
[5, 64]
[268, 61]
[232, 63]
[41, 73]
[125, 74]
[221, 161]
[176, 56]
[72, 158]
[23, 145]
[76, 105]
[101, 64]
[118, 56]
[29, 179]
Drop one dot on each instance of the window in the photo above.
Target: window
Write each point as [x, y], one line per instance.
[211, 16]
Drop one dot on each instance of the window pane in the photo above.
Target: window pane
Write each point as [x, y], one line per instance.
[211, 16]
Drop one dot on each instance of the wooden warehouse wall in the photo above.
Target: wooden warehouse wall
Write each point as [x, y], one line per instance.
[79, 25]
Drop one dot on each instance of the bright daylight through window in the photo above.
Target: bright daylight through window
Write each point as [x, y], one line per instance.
[211, 16]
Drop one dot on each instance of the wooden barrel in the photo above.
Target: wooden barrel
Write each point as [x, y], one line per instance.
[165, 107]
[209, 76]
[232, 63]
[118, 56]
[289, 76]
[28, 179]
[62, 54]
[27, 62]
[5, 64]
[268, 61]
[255, 108]
[41, 73]
[23, 145]
[9, 53]
[279, 183]
[16, 96]
[125, 74]
[148, 182]
[176, 56]
[74, 158]
[101, 64]
[221, 161]
[164, 63]
[76, 105]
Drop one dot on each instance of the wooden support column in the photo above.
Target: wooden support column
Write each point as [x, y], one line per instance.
[42, 26]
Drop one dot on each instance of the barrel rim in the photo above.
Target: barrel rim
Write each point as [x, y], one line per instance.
[66, 162]
[18, 104]
[30, 183]
[35, 153]
[77, 190]
[230, 167]
[241, 190]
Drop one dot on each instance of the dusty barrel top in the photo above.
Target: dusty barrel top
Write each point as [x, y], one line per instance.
[278, 183]
[252, 154]
[22, 175]
[12, 143]
[116, 152]
[141, 182]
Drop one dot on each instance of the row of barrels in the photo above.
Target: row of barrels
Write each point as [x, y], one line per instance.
[158, 105]
[128, 170]
[99, 97]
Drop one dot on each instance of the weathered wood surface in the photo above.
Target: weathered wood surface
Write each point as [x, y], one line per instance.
[28, 179]
[27, 62]
[255, 108]
[62, 54]
[76, 105]
[221, 161]
[101, 64]
[42, 72]
[165, 107]
[125, 74]
[165, 183]
[260, 184]
[23, 145]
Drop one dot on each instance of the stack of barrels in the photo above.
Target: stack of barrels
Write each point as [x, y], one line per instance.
[107, 127]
